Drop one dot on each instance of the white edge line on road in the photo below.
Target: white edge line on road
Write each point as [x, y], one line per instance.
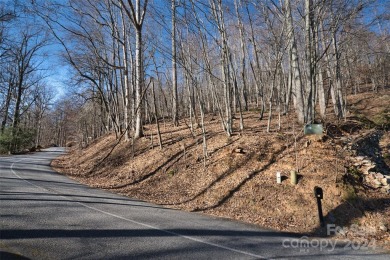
[137, 222]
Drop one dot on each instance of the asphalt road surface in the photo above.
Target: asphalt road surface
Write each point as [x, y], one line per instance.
[45, 215]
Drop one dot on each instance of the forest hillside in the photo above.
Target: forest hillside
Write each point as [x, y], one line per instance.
[235, 177]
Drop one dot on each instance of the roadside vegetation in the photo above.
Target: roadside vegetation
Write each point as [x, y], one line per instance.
[350, 162]
[197, 104]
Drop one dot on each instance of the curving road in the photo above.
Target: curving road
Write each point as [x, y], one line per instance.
[45, 215]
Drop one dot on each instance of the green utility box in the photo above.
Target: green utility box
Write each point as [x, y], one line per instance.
[313, 129]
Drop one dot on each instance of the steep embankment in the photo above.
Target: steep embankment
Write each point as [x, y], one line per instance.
[237, 179]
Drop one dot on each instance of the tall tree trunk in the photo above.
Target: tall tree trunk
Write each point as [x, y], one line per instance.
[137, 17]
[216, 6]
[321, 94]
[139, 85]
[243, 55]
[126, 81]
[289, 88]
[156, 116]
[16, 117]
[256, 70]
[6, 108]
[297, 82]
[174, 69]
[309, 61]
[338, 81]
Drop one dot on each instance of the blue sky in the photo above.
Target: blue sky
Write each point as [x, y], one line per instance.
[54, 71]
[58, 74]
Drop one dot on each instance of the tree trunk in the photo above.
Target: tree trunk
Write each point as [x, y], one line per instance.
[174, 69]
[126, 98]
[6, 108]
[137, 16]
[309, 61]
[139, 85]
[297, 82]
[225, 64]
[156, 116]
[321, 94]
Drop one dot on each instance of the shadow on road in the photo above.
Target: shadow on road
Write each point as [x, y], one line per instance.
[73, 184]
[11, 256]
[126, 233]
[73, 198]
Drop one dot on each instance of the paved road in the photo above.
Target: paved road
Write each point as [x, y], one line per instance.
[45, 215]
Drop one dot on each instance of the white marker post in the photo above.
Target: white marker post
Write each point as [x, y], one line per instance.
[278, 177]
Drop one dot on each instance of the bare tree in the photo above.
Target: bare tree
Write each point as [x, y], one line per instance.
[219, 18]
[174, 67]
[294, 65]
[136, 14]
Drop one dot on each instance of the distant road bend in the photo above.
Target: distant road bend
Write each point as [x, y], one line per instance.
[45, 215]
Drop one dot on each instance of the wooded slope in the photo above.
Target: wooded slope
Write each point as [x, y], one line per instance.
[238, 178]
